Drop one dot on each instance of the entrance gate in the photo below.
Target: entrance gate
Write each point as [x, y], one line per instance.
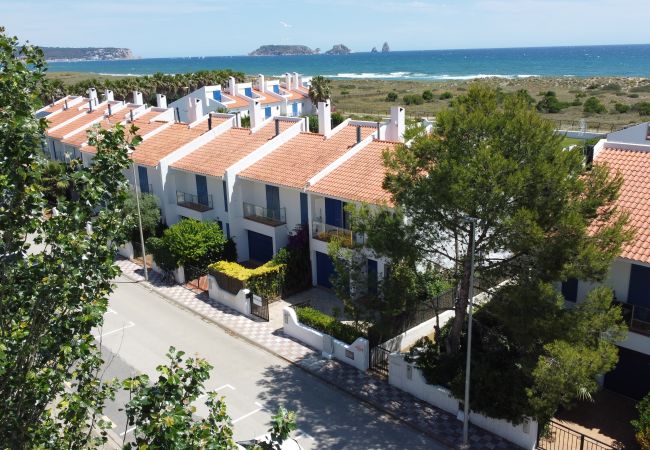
[259, 306]
[196, 277]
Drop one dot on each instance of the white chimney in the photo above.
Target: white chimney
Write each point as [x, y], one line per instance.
[161, 100]
[324, 118]
[255, 113]
[92, 95]
[261, 86]
[109, 95]
[296, 79]
[232, 85]
[137, 98]
[396, 126]
[287, 78]
[195, 110]
[299, 79]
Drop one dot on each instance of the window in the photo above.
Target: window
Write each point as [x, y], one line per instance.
[267, 112]
[144, 179]
[272, 197]
[248, 92]
[373, 280]
[570, 290]
[227, 231]
[225, 195]
[335, 213]
[202, 189]
[216, 95]
[304, 212]
[276, 88]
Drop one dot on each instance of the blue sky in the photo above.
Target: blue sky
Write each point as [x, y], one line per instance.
[159, 28]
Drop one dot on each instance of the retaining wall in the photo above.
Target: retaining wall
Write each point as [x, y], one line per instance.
[238, 302]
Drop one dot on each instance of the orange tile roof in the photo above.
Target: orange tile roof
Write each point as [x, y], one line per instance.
[237, 101]
[267, 98]
[57, 105]
[152, 150]
[302, 157]
[292, 95]
[69, 113]
[634, 197]
[360, 178]
[81, 137]
[83, 121]
[226, 149]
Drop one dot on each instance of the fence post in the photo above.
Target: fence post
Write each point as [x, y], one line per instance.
[582, 441]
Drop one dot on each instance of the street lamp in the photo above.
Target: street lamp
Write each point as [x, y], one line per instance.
[137, 202]
[472, 225]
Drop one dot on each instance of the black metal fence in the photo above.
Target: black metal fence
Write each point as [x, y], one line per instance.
[196, 277]
[559, 437]
[379, 360]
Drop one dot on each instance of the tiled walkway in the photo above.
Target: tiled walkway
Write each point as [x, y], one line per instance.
[432, 421]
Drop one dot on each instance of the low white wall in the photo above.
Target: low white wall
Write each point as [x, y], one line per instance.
[407, 377]
[179, 275]
[238, 301]
[356, 354]
[126, 250]
[411, 336]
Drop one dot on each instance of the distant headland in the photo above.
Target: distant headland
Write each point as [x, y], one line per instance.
[86, 53]
[283, 50]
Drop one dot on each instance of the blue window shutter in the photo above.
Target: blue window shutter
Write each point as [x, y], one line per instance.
[373, 279]
[220, 224]
[276, 88]
[267, 112]
[202, 189]
[216, 95]
[227, 231]
[304, 214]
[144, 179]
[295, 109]
[225, 195]
[54, 150]
[248, 92]
[272, 197]
[333, 212]
[639, 287]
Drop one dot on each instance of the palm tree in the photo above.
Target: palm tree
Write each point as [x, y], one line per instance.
[320, 89]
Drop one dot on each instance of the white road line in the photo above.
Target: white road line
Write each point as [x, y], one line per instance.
[111, 310]
[302, 434]
[127, 431]
[223, 387]
[247, 415]
[128, 325]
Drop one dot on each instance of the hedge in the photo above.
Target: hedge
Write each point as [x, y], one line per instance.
[327, 324]
[266, 280]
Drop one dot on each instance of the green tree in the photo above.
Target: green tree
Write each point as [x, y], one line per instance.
[642, 424]
[193, 242]
[550, 103]
[502, 164]
[391, 97]
[50, 300]
[643, 108]
[320, 89]
[427, 96]
[593, 106]
[164, 410]
[149, 212]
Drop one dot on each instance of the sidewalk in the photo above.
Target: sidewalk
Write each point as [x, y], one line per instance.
[420, 415]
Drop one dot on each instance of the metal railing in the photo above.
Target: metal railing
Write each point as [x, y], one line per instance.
[559, 437]
[325, 232]
[636, 317]
[269, 216]
[196, 202]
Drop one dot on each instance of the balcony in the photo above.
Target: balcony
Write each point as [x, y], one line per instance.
[636, 317]
[268, 216]
[201, 203]
[325, 232]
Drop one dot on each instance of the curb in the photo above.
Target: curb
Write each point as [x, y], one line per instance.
[236, 334]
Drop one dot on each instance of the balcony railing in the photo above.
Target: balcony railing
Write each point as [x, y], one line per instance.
[636, 317]
[199, 203]
[267, 216]
[325, 232]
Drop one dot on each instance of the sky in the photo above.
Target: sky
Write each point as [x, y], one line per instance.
[167, 28]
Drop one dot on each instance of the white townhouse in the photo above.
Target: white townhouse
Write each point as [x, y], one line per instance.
[288, 98]
[628, 152]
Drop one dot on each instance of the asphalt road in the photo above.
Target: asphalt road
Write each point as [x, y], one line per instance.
[139, 328]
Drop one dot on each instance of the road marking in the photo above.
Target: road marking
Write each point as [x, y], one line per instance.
[302, 434]
[128, 325]
[127, 431]
[111, 310]
[223, 387]
[249, 414]
[107, 419]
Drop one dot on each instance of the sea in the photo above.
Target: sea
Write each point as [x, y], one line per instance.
[580, 61]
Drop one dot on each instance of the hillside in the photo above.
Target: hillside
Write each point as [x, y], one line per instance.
[283, 50]
[86, 53]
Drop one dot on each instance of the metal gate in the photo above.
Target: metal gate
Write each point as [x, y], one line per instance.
[559, 437]
[196, 277]
[259, 306]
[379, 360]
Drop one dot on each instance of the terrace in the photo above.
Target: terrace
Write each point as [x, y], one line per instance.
[268, 216]
[201, 203]
[325, 232]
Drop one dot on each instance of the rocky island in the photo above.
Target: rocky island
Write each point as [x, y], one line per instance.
[283, 50]
[385, 48]
[338, 49]
[86, 53]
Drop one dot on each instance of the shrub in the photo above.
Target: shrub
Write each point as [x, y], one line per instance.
[412, 99]
[611, 87]
[337, 118]
[593, 106]
[621, 108]
[446, 95]
[196, 243]
[391, 97]
[642, 425]
[633, 95]
[245, 122]
[266, 280]
[327, 324]
[230, 250]
[345, 92]
[313, 123]
[643, 108]
[427, 96]
[161, 255]
[550, 103]
[149, 212]
[296, 258]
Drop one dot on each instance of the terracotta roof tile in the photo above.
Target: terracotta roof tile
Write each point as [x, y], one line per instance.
[152, 150]
[226, 149]
[634, 197]
[83, 121]
[266, 99]
[295, 162]
[69, 113]
[236, 101]
[81, 137]
[360, 178]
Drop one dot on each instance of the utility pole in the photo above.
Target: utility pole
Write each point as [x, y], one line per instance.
[137, 202]
[472, 226]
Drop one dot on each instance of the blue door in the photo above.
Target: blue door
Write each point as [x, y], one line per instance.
[570, 290]
[144, 179]
[639, 291]
[372, 276]
[272, 198]
[260, 247]
[334, 212]
[267, 112]
[225, 195]
[294, 108]
[304, 212]
[201, 189]
[324, 269]
[248, 92]
[216, 95]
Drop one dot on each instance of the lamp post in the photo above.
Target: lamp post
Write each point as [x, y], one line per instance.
[137, 202]
[472, 226]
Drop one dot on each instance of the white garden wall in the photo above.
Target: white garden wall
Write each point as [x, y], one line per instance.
[126, 250]
[356, 354]
[411, 336]
[238, 302]
[407, 377]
